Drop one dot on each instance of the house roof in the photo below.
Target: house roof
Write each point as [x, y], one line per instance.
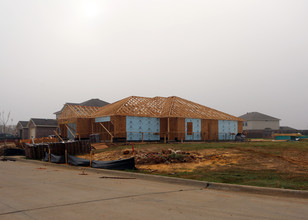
[161, 107]
[41, 122]
[77, 111]
[287, 128]
[23, 123]
[256, 116]
[90, 102]
[94, 103]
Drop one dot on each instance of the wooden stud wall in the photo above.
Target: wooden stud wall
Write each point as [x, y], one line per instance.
[104, 135]
[119, 123]
[63, 130]
[83, 127]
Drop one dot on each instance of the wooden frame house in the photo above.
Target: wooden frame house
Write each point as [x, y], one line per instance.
[163, 118]
[75, 121]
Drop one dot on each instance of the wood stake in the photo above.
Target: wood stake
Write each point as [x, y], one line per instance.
[65, 156]
[49, 153]
[90, 158]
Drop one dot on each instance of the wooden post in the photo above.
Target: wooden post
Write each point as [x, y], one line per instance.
[91, 158]
[49, 153]
[164, 138]
[142, 137]
[168, 129]
[58, 136]
[133, 149]
[65, 155]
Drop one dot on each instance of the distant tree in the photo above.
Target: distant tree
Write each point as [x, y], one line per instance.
[4, 119]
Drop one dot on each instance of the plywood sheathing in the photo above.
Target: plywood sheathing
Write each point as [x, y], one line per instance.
[160, 107]
[205, 130]
[212, 129]
[83, 127]
[240, 127]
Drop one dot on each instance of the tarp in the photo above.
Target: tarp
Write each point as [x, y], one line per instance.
[125, 164]
[54, 158]
[76, 161]
[13, 152]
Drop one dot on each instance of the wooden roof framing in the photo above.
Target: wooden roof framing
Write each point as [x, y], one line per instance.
[77, 111]
[162, 107]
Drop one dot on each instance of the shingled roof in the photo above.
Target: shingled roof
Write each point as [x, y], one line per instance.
[162, 107]
[256, 116]
[23, 124]
[94, 103]
[41, 122]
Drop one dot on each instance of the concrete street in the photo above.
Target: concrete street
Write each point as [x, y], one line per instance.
[34, 191]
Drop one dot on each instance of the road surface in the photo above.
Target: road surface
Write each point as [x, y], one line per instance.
[34, 191]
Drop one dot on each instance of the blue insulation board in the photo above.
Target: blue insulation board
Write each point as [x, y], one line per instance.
[72, 127]
[135, 126]
[102, 119]
[196, 136]
[227, 129]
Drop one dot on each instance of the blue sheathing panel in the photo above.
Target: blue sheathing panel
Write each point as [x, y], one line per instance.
[227, 129]
[72, 127]
[135, 126]
[196, 136]
[102, 119]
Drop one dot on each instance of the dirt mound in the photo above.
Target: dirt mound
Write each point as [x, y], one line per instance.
[164, 157]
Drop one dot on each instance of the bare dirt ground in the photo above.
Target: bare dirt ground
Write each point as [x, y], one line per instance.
[158, 159]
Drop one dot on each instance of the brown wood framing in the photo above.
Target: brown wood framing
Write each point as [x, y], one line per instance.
[67, 127]
[161, 107]
[77, 111]
[172, 112]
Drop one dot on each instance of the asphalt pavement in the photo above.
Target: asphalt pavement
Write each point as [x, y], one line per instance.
[36, 191]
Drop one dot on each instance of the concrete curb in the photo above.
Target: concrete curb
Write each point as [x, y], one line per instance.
[174, 180]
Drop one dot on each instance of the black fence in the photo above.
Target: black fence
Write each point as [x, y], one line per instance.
[37, 151]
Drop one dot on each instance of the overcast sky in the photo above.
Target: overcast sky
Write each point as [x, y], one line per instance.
[236, 56]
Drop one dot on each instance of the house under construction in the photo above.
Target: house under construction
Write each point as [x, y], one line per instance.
[74, 120]
[163, 118]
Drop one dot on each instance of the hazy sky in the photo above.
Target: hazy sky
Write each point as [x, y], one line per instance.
[236, 56]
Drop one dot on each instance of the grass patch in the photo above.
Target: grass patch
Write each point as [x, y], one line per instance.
[212, 145]
[274, 155]
[263, 178]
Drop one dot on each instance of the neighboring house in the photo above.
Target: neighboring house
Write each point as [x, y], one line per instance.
[22, 130]
[258, 125]
[287, 130]
[39, 127]
[259, 121]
